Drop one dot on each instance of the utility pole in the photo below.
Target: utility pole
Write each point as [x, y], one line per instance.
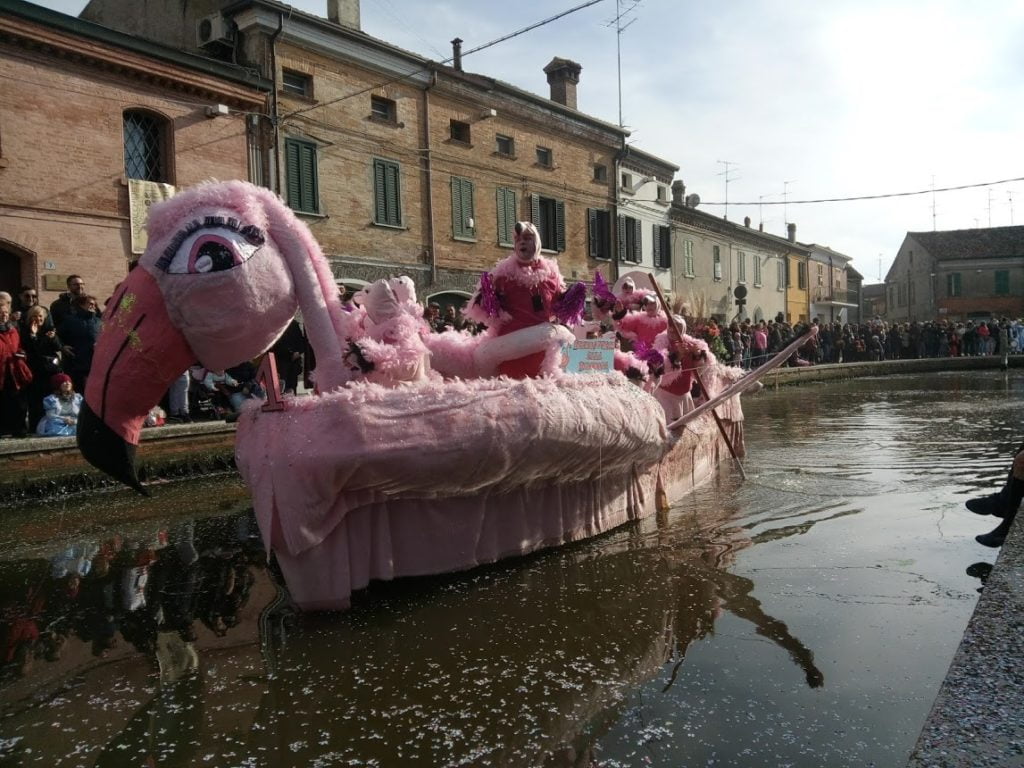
[728, 178]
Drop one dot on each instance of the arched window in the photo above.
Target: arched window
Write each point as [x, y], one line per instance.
[145, 146]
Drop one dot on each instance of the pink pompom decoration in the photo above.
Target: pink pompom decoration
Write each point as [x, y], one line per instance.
[602, 293]
[570, 306]
[489, 296]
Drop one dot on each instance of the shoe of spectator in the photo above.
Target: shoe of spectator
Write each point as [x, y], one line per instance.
[988, 505]
[991, 539]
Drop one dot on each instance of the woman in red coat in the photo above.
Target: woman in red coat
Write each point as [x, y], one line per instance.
[15, 375]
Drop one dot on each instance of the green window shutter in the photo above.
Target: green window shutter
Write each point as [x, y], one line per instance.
[457, 217]
[506, 206]
[621, 232]
[592, 236]
[291, 154]
[656, 244]
[387, 203]
[394, 196]
[560, 226]
[308, 177]
[462, 207]
[535, 210]
[637, 241]
[301, 181]
[1002, 281]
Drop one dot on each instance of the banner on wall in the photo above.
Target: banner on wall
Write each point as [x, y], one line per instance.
[141, 195]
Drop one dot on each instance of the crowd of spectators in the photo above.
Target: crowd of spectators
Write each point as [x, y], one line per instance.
[749, 343]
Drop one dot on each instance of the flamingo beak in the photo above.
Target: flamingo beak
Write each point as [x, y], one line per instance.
[137, 356]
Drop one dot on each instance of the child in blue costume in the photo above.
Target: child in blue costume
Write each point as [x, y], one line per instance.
[60, 409]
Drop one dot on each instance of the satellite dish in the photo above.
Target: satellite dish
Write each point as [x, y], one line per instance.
[692, 201]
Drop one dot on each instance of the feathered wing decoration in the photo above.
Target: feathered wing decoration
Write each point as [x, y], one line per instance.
[484, 306]
[570, 305]
[654, 359]
[602, 293]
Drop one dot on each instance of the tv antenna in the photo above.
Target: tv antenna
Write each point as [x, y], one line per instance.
[726, 173]
[619, 29]
[785, 193]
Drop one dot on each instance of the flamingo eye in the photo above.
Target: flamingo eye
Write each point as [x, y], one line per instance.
[214, 244]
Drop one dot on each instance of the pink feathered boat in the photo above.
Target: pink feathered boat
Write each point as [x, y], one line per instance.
[364, 481]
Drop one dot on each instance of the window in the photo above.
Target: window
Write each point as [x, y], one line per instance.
[545, 157]
[549, 216]
[741, 267]
[145, 146]
[781, 273]
[460, 131]
[600, 172]
[599, 233]
[1002, 282]
[757, 270]
[801, 276]
[789, 273]
[716, 262]
[661, 242]
[662, 195]
[953, 284]
[387, 193]
[630, 239]
[505, 145]
[627, 182]
[688, 269]
[297, 83]
[384, 110]
[301, 176]
[463, 223]
[821, 275]
[506, 205]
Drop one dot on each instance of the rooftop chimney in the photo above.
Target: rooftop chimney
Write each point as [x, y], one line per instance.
[457, 53]
[746, 221]
[563, 76]
[678, 192]
[344, 13]
[791, 230]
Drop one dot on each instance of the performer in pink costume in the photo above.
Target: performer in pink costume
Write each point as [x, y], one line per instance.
[523, 292]
[645, 325]
[681, 363]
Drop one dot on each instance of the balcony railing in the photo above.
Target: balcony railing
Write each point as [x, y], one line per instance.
[823, 294]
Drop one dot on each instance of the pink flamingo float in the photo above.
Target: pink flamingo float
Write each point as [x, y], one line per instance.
[369, 479]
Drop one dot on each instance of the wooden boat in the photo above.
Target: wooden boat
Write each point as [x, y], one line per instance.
[363, 481]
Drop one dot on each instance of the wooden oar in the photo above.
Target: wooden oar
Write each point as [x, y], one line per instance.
[676, 334]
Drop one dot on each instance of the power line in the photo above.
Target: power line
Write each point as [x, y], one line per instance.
[421, 70]
[877, 197]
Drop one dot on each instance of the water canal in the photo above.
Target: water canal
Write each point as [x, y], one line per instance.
[805, 617]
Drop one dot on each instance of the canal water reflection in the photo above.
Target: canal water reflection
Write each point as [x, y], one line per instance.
[804, 617]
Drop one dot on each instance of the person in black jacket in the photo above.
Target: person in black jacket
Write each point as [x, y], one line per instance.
[65, 303]
[79, 331]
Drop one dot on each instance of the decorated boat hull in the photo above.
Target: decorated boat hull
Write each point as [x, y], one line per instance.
[439, 479]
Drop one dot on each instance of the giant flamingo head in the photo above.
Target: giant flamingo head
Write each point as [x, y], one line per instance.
[226, 266]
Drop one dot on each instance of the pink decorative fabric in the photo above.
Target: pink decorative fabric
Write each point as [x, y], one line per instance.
[436, 441]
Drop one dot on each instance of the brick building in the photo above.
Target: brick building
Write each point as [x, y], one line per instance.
[958, 274]
[399, 163]
[85, 110]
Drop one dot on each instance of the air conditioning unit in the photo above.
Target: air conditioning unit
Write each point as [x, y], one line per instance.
[213, 31]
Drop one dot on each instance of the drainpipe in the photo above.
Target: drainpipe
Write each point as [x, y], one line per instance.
[428, 169]
[614, 244]
[275, 118]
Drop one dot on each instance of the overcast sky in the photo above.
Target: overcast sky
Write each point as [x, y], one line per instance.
[839, 98]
